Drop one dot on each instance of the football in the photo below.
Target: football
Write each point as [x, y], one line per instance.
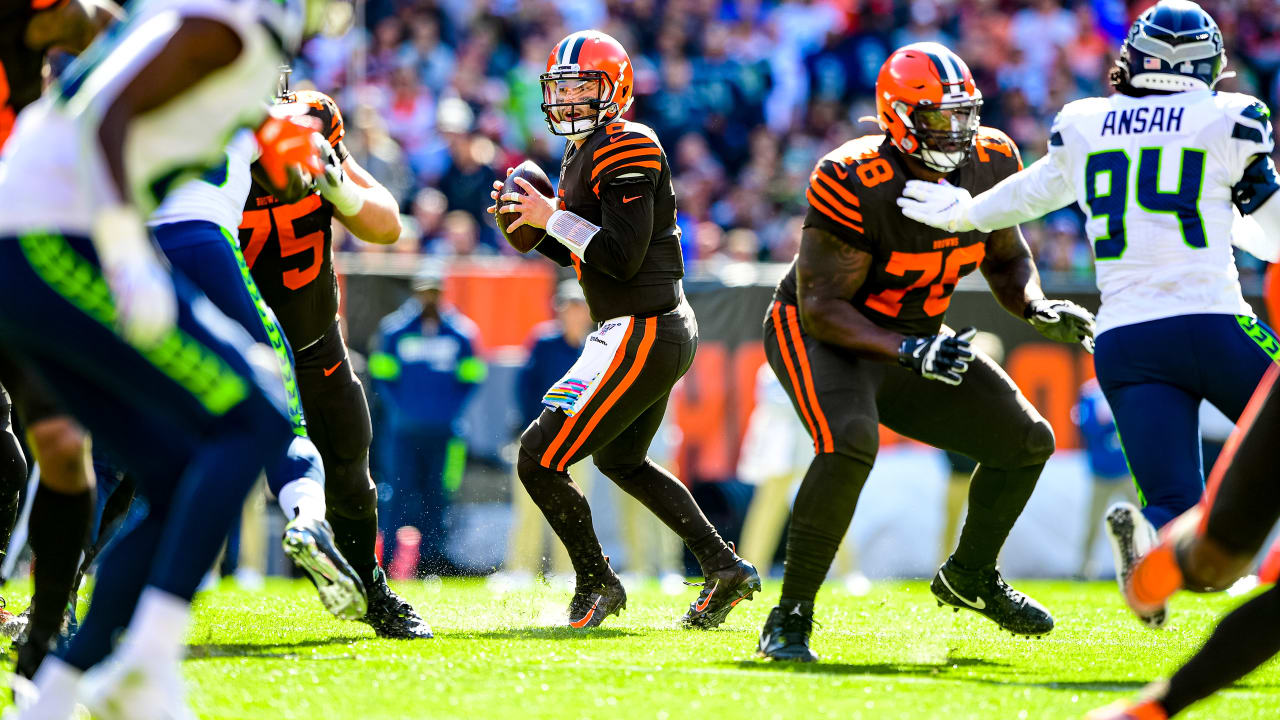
[525, 237]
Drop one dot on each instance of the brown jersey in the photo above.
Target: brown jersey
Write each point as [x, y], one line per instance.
[289, 246]
[616, 156]
[853, 195]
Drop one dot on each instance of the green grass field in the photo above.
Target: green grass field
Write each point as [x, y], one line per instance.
[890, 654]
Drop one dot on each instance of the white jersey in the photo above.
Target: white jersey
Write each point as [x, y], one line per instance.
[55, 176]
[1154, 175]
[218, 196]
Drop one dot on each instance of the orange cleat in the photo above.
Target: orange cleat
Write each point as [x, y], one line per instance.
[1129, 710]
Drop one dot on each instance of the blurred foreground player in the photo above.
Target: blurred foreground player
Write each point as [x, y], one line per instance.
[1207, 549]
[856, 336]
[616, 225]
[170, 387]
[288, 246]
[29, 29]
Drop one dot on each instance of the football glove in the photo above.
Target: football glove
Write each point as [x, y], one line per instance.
[333, 183]
[939, 205]
[146, 304]
[1061, 320]
[938, 357]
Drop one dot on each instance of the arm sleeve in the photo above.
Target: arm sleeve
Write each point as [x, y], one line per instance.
[620, 245]
[1026, 195]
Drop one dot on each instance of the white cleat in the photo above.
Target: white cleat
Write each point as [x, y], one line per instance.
[131, 688]
[52, 696]
[1131, 537]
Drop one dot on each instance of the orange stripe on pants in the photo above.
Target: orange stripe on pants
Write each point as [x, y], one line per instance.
[791, 372]
[794, 324]
[548, 456]
[642, 354]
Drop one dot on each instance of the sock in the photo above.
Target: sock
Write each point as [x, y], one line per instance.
[1156, 577]
[13, 478]
[356, 539]
[668, 499]
[996, 499]
[158, 629]
[819, 520]
[567, 511]
[59, 526]
[57, 684]
[1246, 638]
[304, 498]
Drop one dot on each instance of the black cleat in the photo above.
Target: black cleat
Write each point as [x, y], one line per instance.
[986, 593]
[390, 616]
[596, 599]
[786, 633]
[32, 652]
[309, 543]
[721, 590]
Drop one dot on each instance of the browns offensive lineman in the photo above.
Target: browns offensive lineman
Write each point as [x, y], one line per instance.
[288, 247]
[855, 334]
[615, 223]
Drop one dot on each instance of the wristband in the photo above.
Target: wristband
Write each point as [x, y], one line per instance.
[572, 231]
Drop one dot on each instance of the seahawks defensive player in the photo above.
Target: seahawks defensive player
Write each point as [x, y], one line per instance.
[1157, 168]
[178, 393]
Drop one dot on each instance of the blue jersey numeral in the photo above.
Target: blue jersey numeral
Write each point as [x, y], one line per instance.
[1114, 202]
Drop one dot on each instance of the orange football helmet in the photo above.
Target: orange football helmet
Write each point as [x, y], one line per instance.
[589, 82]
[927, 103]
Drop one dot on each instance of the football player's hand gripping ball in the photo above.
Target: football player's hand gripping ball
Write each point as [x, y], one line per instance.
[938, 357]
[1061, 320]
[535, 208]
[941, 205]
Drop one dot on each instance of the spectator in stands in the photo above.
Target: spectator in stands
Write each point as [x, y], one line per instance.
[424, 368]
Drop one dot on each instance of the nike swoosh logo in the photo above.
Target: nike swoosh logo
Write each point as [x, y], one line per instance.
[841, 172]
[626, 200]
[579, 624]
[615, 138]
[978, 604]
[703, 605]
[329, 371]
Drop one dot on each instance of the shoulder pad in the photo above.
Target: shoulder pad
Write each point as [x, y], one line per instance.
[991, 142]
[833, 190]
[1251, 119]
[323, 107]
[624, 151]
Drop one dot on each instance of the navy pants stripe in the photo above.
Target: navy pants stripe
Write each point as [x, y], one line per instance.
[1154, 375]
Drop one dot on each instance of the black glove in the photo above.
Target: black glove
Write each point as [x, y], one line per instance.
[938, 357]
[1061, 320]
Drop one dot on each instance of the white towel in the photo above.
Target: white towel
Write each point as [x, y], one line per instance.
[574, 390]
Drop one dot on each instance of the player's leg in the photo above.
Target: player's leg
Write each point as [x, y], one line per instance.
[988, 419]
[1207, 549]
[197, 402]
[835, 396]
[1154, 394]
[1235, 352]
[210, 257]
[13, 470]
[728, 579]
[338, 423]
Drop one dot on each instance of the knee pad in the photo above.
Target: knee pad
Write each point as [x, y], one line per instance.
[857, 436]
[533, 442]
[1040, 442]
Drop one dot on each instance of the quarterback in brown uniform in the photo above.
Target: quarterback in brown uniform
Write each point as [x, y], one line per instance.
[615, 223]
[856, 335]
[288, 245]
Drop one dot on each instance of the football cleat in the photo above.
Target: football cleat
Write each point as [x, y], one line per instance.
[786, 633]
[986, 593]
[391, 616]
[1132, 537]
[1127, 710]
[309, 543]
[721, 591]
[596, 599]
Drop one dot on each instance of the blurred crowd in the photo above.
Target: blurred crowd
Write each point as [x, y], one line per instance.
[441, 95]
